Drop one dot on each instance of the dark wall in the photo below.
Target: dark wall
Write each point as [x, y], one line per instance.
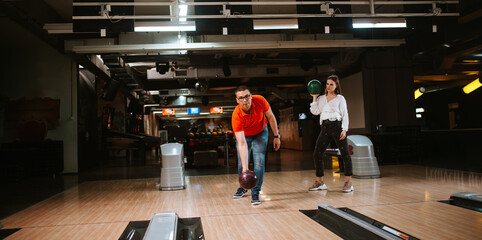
[389, 96]
[177, 131]
[452, 149]
[468, 114]
[87, 121]
[388, 88]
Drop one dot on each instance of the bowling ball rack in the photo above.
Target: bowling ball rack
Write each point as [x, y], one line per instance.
[160, 227]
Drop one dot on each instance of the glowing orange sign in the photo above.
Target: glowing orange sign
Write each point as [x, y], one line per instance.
[216, 110]
[168, 112]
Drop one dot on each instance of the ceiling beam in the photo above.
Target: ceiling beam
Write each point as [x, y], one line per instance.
[92, 64]
[147, 48]
[326, 9]
[448, 61]
[470, 17]
[268, 16]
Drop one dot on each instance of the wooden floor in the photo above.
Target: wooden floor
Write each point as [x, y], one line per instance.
[406, 197]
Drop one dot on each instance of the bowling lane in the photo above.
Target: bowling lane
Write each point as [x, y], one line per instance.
[94, 231]
[428, 220]
[274, 225]
[92, 207]
[137, 200]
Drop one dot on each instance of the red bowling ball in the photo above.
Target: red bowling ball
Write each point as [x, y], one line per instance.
[248, 180]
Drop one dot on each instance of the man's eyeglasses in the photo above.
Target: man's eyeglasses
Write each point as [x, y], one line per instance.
[245, 98]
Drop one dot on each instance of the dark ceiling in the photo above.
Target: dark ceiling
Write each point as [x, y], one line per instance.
[452, 55]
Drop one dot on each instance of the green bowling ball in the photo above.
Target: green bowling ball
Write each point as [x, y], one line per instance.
[314, 87]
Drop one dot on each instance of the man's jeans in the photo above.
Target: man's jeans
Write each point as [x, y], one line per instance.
[257, 144]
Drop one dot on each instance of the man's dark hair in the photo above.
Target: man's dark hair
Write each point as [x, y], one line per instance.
[242, 88]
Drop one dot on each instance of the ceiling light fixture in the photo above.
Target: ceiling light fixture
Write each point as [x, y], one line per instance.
[472, 86]
[419, 110]
[275, 24]
[379, 23]
[182, 12]
[164, 26]
[470, 61]
[419, 92]
[151, 105]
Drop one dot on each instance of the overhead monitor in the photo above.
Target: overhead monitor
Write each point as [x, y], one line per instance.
[168, 112]
[193, 111]
[216, 110]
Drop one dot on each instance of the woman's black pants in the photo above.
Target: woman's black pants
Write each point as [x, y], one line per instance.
[331, 130]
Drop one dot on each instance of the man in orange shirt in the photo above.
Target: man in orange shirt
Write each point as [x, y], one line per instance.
[250, 127]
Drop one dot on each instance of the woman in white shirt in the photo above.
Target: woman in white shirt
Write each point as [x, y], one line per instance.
[334, 124]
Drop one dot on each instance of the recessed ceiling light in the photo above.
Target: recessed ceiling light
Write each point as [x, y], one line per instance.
[275, 24]
[379, 23]
[165, 26]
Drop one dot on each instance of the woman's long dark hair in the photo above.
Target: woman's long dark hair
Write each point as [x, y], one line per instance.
[337, 82]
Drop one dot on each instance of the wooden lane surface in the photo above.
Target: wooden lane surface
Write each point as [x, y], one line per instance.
[100, 231]
[428, 220]
[108, 206]
[272, 225]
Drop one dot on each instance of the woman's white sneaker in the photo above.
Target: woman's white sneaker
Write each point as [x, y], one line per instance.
[348, 187]
[318, 186]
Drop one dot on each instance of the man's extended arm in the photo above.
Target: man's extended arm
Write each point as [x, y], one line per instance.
[274, 127]
[242, 149]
